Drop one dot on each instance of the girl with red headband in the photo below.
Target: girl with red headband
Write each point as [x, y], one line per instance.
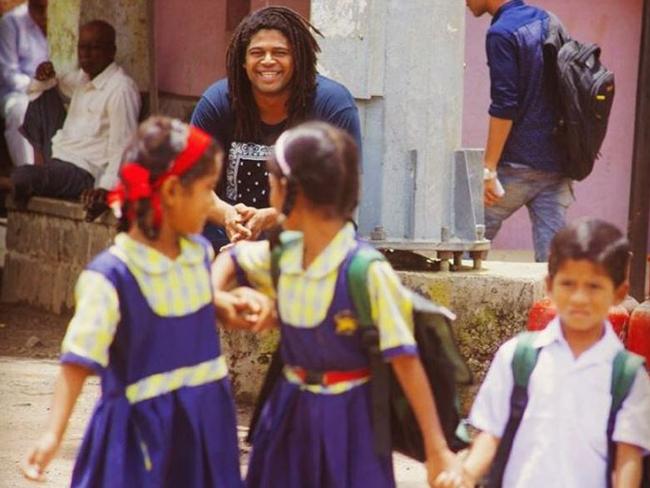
[315, 426]
[145, 323]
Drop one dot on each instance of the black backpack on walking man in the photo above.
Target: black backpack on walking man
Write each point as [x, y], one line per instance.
[584, 91]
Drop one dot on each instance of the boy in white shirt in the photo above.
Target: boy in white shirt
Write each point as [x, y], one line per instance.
[562, 439]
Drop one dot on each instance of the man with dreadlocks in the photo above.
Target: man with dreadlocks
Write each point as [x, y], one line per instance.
[271, 85]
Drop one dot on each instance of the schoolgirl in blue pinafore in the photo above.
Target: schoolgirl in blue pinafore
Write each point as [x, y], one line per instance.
[314, 429]
[314, 435]
[162, 373]
[145, 323]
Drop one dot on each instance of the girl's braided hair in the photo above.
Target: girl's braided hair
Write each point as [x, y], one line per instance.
[324, 165]
[155, 146]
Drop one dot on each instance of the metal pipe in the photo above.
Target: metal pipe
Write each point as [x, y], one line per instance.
[639, 216]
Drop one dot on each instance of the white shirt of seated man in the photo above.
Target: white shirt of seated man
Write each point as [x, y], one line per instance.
[103, 112]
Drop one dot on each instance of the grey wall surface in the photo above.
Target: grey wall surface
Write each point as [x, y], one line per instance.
[403, 62]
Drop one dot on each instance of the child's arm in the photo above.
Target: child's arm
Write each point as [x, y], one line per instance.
[628, 467]
[480, 457]
[223, 272]
[412, 378]
[69, 382]
[244, 308]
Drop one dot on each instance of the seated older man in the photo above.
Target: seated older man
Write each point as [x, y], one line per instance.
[81, 158]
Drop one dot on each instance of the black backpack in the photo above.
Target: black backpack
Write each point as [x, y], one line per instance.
[624, 370]
[395, 427]
[584, 91]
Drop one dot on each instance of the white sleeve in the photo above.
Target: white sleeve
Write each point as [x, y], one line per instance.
[633, 420]
[123, 108]
[491, 407]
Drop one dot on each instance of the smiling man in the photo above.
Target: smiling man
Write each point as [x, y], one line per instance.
[272, 85]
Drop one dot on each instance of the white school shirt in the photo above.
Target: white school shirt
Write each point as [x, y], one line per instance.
[101, 120]
[562, 440]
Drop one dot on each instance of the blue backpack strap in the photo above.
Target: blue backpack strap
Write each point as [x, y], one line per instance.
[523, 364]
[357, 278]
[624, 371]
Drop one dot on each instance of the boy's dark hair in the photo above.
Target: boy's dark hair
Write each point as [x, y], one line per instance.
[596, 241]
[324, 162]
[302, 86]
[156, 144]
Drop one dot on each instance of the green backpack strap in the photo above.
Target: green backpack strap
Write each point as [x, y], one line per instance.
[276, 254]
[523, 364]
[357, 278]
[525, 358]
[358, 282]
[624, 371]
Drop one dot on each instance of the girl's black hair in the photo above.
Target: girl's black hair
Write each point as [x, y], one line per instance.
[596, 241]
[324, 162]
[156, 144]
[302, 86]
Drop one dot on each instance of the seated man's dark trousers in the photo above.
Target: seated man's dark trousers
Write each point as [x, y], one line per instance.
[54, 178]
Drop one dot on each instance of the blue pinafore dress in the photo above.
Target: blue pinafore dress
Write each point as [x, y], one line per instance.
[166, 416]
[310, 439]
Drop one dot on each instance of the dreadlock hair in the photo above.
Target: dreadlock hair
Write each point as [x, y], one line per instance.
[155, 146]
[595, 240]
[302, 86]
[324, 166]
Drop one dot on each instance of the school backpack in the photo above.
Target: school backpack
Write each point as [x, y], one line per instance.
[395, 427]
[624, 370]
[585, 93]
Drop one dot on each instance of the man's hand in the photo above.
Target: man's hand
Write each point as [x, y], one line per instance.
[235, 220]
[491, 195]
[94, 202]
[264, 219]
[45, 71]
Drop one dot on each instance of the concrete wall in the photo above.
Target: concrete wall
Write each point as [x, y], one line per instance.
[616, 26]
[47, 247]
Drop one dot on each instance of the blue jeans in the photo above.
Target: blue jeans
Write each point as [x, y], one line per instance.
[547, 197]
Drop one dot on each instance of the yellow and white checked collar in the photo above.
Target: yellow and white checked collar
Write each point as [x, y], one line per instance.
[151, 261]
[172, 287]
[327, 261]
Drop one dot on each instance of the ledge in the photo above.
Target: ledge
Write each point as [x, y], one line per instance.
[65, 209]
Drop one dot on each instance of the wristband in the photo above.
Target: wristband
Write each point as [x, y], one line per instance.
[489, 174]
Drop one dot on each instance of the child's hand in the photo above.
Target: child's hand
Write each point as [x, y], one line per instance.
[232, 311]
[261, 309]
[40, 456]
[456, 478]
[445, 471]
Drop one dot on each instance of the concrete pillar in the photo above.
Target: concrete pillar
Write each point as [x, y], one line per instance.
[403, 62]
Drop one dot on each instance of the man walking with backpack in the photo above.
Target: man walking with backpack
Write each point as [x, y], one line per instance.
[523, 155]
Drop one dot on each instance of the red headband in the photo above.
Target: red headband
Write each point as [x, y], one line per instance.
[136, 184]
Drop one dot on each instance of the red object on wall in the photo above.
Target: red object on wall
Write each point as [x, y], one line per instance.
[619, 318]
[638, 334]
[541, 313]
